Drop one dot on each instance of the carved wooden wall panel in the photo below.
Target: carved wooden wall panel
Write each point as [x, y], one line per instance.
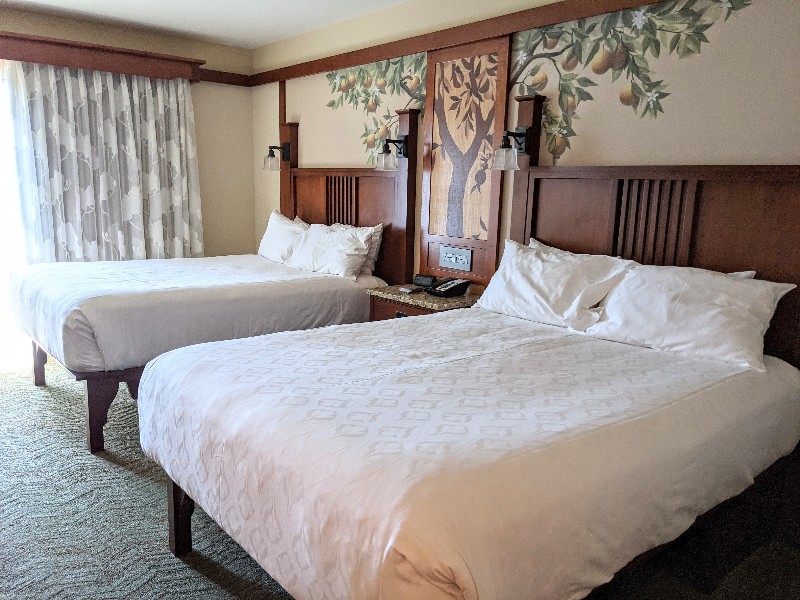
[464, 122]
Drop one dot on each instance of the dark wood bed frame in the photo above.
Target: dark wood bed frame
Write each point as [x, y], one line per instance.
[361, 197]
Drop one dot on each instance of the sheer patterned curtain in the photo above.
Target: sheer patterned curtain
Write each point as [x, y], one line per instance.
[110, 165]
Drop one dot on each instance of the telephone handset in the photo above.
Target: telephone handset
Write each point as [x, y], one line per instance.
[449, 287]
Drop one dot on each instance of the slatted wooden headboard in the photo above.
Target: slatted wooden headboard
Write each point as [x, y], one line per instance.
[364, 197]
[725, 218]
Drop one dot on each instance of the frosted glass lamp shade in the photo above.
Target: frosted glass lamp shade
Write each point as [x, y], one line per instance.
[272, 162]
[505, 159]
[386, 161]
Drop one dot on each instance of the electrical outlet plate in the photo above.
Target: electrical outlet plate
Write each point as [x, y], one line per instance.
[459, 259]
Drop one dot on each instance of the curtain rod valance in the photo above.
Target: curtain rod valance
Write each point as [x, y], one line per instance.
[81, 55]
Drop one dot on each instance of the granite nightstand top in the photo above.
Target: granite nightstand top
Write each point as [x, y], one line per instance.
[422, 299]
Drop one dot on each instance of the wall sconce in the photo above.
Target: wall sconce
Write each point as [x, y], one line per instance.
[388, 162]
[505, 157]
[272, 162]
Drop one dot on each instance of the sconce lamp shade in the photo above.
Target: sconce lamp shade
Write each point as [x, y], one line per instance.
[386, 161]
[505, 157]
[272, 162]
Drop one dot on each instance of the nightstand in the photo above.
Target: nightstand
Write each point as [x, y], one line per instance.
[390, 303]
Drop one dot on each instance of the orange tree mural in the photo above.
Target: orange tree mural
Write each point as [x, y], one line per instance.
[368, 88]
[617, 44]
[463, 121]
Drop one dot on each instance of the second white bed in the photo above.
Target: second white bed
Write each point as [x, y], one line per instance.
[110, 316]
[461, 455]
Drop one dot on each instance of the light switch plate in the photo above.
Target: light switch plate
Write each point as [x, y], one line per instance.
[459, 259]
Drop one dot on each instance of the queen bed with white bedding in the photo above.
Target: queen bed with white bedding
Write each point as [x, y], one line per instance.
[528, 447]
[462, 455]
[125, 313]
[104, 321]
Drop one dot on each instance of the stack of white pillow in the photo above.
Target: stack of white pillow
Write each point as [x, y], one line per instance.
[336, 249]
[694, 312]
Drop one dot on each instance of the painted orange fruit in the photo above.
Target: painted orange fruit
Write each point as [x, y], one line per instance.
[569, 63]
[550, 42]
[414, 83]
[381, 83]
[343, 85]
[539, 81]
[620, 57]
[370, 141]
[572, 104]
[371, 106]
[627, 95]
[383, 132]
[559, 146]
[367, 81]
[602, 61]
[351, 81]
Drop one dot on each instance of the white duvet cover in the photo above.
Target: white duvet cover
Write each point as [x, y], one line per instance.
[459, 455]
[114, 315]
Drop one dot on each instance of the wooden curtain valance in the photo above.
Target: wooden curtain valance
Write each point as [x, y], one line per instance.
[65, 53]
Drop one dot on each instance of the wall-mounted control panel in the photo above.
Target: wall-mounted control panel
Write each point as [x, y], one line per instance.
[459, 259]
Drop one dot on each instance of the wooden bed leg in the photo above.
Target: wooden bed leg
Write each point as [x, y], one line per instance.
[99, 395]
[39, 361]
[180, 509]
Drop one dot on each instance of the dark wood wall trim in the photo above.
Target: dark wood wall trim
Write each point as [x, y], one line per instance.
[223, 77]
[65, 53]
[560, 12]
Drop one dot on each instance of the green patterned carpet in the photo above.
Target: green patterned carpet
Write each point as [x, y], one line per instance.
[73, 525]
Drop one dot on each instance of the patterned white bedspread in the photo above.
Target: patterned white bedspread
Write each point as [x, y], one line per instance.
[113, 315]
[460, 455]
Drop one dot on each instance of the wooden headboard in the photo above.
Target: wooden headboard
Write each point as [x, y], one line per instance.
[725, 218]
[364, 197]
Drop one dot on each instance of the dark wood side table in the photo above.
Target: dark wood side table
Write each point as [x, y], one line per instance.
[390, 303]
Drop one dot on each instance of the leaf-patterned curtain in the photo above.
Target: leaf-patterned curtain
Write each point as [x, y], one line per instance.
[114, 164]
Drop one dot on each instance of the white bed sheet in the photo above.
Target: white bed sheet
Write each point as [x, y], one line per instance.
[459, 455]
[114, 315]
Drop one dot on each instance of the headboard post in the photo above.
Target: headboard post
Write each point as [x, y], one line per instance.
[529, 110]
[406, 188]
[288, 135]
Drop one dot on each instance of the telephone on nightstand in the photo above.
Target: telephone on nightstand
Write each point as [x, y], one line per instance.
[449, 287]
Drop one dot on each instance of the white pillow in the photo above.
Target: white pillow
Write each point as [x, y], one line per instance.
[375, 234]
[693, 312]
[556, 288]
[331, 250]
[544, 248]
[279, 237]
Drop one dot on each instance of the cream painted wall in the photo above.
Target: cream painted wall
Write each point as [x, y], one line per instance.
[265, 134]
[405, 20]
[224, 125]
[217, 56]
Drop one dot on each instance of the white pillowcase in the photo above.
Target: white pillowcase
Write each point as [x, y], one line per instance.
[691, 311]
[557, 288]
[279, 237]
[375, 234]
[331, 250]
